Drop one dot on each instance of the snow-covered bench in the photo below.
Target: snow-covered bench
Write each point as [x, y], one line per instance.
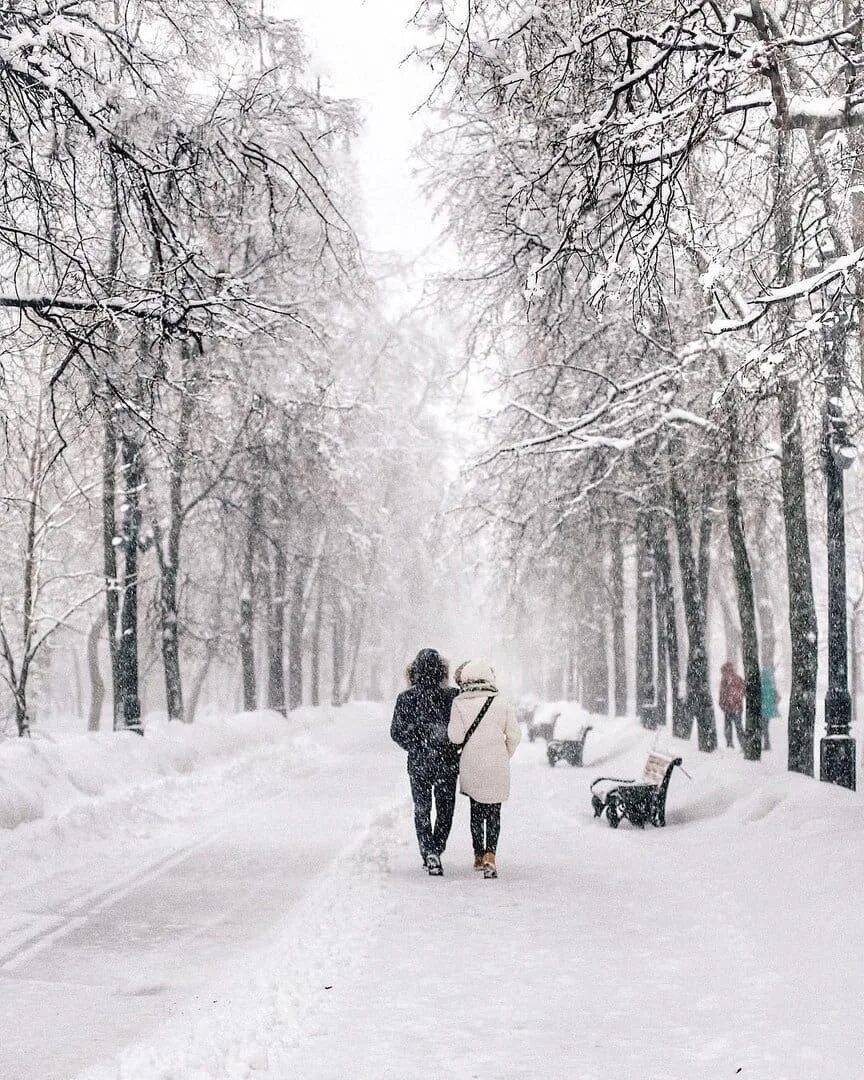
[542, 723]
[569, 750]
[639, 801]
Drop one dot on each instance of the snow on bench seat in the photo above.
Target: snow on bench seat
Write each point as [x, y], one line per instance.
[568, 749]
[653, 773]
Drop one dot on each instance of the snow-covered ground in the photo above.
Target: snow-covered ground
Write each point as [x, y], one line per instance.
[266, 915]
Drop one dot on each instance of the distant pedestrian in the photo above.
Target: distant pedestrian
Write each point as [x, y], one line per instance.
[419, 726]
[731, 701]
[769, 705]
[485, 725]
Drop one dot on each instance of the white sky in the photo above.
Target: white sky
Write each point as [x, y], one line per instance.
[358, 47]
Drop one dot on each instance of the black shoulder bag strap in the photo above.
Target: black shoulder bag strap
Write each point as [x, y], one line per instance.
[486, 705]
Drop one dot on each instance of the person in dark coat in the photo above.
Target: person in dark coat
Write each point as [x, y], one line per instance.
[419, 726]
[731, 701]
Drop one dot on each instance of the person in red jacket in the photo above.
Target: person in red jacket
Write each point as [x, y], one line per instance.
[731, 701]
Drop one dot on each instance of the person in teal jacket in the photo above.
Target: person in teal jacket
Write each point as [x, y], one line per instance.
[769, 705]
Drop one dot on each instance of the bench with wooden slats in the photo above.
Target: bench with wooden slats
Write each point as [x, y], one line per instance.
[640, 801]
[569, 750]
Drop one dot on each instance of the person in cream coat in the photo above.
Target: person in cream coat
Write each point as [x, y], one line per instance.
[484, 768]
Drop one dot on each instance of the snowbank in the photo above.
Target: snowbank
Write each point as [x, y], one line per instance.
[726, 793]
[721, 790]
[41, 778]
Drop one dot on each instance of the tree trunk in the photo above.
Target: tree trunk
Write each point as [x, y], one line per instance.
[169, 560]
[247, 600]
[276, 634]
[665, 676]
[127, 647]
[681, 723]
[362, 608]
[731, 633]
[646, 698]
[556, 680]
[353, 641]
[746, 604]
[111, 539]
[200, 678]
[315, 644]
[110, 543]
[376, 691]
[704, 553]
[662, 663]
[75, 668]
[699, 705]
[570, 689]
[22, 719]
[852, 12]
[170, 643]
[338, 668]
[97, 683]
[601, 691]
[619, 651]
[295, 637]
[854, 658]
[30, 583]
[595, 681]
[803, 628]
[767, 635]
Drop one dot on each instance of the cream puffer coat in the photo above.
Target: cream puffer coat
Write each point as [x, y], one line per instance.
[484, 769]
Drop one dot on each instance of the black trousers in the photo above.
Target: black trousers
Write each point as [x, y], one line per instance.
[423, 791]
[730, 719]
[485, 826]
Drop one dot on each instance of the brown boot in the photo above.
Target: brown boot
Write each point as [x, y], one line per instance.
[478, 862]
[489, 868]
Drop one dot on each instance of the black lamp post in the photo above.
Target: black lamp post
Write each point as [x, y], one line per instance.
[837, 748]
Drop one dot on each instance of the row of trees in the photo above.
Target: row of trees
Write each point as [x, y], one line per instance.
[660, 206]
[208, 418]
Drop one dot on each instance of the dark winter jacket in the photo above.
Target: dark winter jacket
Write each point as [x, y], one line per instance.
[419, 726]
[731, 697]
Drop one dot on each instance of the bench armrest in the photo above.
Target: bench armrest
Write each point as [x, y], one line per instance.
[613, 779]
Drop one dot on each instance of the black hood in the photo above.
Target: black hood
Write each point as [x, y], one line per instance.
[428, 667]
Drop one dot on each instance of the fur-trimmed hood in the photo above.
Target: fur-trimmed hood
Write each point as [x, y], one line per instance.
[478, 675]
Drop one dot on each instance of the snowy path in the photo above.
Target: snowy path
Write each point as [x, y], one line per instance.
[298, 939]
[698, 952]
[185, 905]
